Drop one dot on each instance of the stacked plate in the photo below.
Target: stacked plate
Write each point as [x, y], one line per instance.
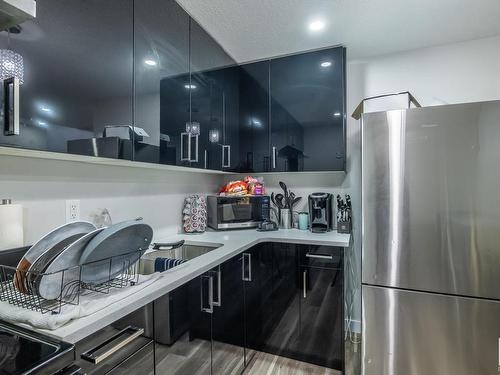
[54, 266]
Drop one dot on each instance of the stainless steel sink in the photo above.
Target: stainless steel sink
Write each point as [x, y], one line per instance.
[184, 251]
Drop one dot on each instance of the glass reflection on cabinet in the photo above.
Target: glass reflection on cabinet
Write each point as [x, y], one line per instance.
[161, 69]
[307, 111]
[77, 58]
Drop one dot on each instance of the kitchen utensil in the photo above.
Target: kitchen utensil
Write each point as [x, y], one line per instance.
[56, 240]
[286, 218]
[285, 192]
[280, 201]
[303, 221]
[295, 201]
[124, 243]
[49, 284]
[273, 199]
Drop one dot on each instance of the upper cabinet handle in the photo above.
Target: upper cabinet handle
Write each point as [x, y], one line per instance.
[226, 162]
[186, 157]
[274, 157]
[193, 158]
[11, 106]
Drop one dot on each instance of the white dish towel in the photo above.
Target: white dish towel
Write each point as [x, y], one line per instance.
[90, 302]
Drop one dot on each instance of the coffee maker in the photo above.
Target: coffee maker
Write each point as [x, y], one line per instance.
[320, 212]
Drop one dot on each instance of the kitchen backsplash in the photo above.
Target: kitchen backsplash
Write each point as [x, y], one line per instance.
[43, 186]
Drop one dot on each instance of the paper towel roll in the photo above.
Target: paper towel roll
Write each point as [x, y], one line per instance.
[11, 226]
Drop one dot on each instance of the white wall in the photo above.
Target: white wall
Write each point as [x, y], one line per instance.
[43, 186]
[456, 73]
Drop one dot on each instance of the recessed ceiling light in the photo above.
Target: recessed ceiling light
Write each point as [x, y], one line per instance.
[337, 114]
[150, 62]
[189, 86]
[317, 25]
[45, 109]
[42, 124]
[326, 64]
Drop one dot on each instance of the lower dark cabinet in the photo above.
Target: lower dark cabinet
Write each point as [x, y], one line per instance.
[111, 349]
[216, 317]
[320, 336]
[263, 299]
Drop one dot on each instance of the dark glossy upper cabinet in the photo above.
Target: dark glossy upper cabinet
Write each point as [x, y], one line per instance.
[213, 145]
[254, 117]
[161, 72]
[77, 58]
[195, 100]
[308, 111]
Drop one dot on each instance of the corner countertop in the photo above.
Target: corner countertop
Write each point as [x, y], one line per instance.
[231, 243]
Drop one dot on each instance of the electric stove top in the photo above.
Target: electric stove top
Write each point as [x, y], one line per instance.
[25, 352]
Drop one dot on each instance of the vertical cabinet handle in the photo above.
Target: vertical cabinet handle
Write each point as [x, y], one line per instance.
[193, 156]
[247, 259]
[185, 156]
[226, 156]
[206, 159]
[218, 302]
[304, 284]
[207, 297]
[11, 106]
[274, 157]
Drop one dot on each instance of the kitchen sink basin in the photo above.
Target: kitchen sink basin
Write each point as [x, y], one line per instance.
[185, 252]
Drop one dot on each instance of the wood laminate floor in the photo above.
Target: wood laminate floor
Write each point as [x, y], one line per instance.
[193, 357]
[268, 364]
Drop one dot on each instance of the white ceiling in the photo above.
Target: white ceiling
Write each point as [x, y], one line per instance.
[255, 29]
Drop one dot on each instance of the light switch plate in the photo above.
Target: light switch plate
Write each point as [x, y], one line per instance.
[72, 210]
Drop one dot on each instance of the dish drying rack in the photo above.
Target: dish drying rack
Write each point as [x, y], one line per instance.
[18, 287]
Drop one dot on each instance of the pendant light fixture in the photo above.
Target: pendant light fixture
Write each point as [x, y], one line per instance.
[11, 63]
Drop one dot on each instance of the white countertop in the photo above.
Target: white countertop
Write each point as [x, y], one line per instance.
[231, 243]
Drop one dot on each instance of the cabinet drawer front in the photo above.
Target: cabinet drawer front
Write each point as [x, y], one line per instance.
[102, 351]
[321, 256]
[142, 361]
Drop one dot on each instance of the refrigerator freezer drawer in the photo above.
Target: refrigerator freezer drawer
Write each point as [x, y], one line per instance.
[414, 333]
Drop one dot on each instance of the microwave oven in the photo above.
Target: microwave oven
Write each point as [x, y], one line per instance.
[237, 212]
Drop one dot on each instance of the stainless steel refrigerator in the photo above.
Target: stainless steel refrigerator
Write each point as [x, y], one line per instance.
[431, 240]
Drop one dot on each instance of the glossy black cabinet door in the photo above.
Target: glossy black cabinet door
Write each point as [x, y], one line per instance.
[320, 339]
[257, 275]
[254, 117]
[308, 111]
[228, 334]
[216, 316]
[78, 66]
[210, 100]
[161, 73]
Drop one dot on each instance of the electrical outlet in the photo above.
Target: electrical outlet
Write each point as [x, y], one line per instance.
[72, 210]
